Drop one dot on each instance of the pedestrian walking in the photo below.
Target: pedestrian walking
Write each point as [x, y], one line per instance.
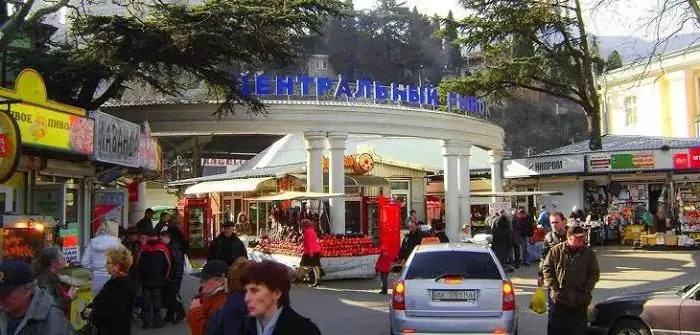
[570, 272]
[94, 255]
[267, 285]
[171, 294]
[410, 241]
[212, 295]
[227, 246]
[26, 308]
[557, 221]
[110, 312]
[383, 267]
[501, 240]
[229, 318]
[522, 232]
[153, 265]
[49, 263]
[145, 225]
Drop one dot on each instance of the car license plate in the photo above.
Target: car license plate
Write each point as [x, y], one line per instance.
[454, 295]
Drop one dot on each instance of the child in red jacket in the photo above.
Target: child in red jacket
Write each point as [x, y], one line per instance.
[383, 267]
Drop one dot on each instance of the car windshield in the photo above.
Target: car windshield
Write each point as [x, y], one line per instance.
[686, 288]
[472, 265]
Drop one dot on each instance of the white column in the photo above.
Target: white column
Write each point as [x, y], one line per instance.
[450, 152]
[465, 186]
[139, 206]
[315, 143]
[496, 160]
[336, 179]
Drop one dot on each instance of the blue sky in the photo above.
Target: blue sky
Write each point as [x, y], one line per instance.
[626, 17]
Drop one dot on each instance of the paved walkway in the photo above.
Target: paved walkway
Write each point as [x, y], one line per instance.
[354, 307]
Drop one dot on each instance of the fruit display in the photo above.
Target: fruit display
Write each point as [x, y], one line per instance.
[331, 246]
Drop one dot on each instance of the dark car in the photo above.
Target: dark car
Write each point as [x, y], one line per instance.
[674, 310]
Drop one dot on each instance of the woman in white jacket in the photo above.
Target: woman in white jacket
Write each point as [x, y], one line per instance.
[94, 255]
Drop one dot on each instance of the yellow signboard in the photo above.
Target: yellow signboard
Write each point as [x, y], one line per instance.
[9, 146]
[46, 128]
[46, 123]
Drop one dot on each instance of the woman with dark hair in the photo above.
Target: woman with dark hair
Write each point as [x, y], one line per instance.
[311, 255]
[267, 285]
[47, 266]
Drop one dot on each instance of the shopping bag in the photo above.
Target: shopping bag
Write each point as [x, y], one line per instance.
[188, 266]
[539, 301]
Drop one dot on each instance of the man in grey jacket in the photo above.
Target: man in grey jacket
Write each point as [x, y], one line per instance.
[27, 309]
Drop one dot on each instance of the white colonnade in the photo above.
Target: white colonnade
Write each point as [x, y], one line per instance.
[315, 145]
[496, 161]
[457, 187]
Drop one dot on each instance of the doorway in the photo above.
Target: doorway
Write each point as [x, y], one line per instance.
[655, 197]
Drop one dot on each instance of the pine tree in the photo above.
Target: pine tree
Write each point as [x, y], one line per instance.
[614, 61]
[454, 54]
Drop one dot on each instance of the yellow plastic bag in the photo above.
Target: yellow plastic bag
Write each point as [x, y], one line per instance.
[539, 301]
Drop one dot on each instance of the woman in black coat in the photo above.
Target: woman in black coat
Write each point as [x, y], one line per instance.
[111, 311]
[502, 239]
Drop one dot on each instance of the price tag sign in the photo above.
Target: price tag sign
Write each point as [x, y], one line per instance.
[71, 254]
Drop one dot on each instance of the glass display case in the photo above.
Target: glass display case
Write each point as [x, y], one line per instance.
[23, 237]
[196, 226]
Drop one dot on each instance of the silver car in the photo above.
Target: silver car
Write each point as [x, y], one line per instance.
[453, 288]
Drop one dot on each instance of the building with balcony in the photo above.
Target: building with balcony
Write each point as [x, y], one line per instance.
[657, 97]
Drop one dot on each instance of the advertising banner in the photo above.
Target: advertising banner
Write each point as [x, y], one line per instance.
[116, 140]
[10, 143]
[43, 127]
[110, 206]
[545, 165]
[632, 161]
[150, 157]
[687, 160]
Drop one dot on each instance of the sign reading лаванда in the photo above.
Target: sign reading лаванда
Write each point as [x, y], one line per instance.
[363, 89]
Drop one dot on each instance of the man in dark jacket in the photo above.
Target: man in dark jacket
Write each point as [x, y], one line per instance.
[227, 246]
[410, 241]
[145, 225]
[173, 302]
[26, 308]
[571, 272]
[557, 221]
[153, 264]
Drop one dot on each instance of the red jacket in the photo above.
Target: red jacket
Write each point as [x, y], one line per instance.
[384, 263]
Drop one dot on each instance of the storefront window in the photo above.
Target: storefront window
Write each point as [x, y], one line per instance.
[401, 192]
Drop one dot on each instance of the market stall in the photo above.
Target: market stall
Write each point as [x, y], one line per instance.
[343, 256]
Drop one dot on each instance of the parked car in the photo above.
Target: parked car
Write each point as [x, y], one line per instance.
[453, 288]
[673, 310]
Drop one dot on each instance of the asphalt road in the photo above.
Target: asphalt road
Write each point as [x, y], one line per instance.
[353, 307]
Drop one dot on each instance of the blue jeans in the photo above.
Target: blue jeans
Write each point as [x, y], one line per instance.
[526, 256]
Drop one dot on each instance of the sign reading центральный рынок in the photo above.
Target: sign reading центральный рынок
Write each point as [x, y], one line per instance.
[365, 89]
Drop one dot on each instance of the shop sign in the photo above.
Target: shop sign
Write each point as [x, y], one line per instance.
[630, 161]
[150, 155]
[45, 123]
[538, 166]
[687, 160]
[360, 164]
[366, 90]
[116, 140]
[220, 162]
[10, 142]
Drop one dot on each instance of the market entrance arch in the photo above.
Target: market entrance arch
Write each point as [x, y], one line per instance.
[327, 124]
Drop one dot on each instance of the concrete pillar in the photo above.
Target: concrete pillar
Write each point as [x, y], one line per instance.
[465, 186]
[139, 206]
[315, 143]
[336, 179]
[496, 160]
[451, 151]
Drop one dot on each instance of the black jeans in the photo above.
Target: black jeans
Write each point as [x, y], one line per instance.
[173, 302]
[384, 277]
[152, 298]
[516, 254]
[565, 320]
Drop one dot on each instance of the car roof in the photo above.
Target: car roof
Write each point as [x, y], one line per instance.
[421, 248]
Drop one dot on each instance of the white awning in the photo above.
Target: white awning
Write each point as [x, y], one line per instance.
[514, 194]
[297, 196]
[229, 185]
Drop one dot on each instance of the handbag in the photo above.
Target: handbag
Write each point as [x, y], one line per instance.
[89, 328]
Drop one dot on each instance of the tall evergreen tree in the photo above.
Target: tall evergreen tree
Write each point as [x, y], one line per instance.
[563, 63]
[614, 61]
[454, 54]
